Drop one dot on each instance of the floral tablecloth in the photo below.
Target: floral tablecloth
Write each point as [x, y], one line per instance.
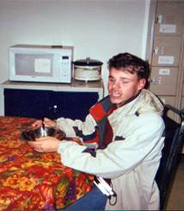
[30, 180]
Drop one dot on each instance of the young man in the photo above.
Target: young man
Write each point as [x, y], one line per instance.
[127, 128]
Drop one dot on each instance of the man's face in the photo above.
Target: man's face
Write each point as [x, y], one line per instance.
[122, 85]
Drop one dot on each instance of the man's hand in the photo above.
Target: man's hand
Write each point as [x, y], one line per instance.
[45, 144]
[47, 122]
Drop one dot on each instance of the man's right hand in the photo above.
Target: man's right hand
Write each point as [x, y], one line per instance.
[47, 122]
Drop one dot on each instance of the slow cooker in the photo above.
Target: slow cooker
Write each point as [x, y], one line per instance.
[87, 70]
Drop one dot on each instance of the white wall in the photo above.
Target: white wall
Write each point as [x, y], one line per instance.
[96, 28]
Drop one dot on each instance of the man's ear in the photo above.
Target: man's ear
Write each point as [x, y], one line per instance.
[142, 83]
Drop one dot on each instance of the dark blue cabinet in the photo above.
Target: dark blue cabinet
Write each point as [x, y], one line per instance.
[47, 103]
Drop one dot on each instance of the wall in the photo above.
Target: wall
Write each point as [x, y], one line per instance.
[96, 28]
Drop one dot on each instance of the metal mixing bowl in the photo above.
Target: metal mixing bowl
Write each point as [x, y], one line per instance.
[34, 133]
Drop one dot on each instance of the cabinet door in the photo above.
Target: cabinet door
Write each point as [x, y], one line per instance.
[164, 80]
[169, 18]
[74, 105]
[166, 51]
[26, 103]
[51, 104]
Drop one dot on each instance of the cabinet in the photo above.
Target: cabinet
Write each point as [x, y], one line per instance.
[50, 100]
[166, 50]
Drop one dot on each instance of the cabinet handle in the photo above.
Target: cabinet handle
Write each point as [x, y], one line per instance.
[153, 81]
[156, 51]
[159, 19]
[54, 109]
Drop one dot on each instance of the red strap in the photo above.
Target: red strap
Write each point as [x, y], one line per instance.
[98, 112]
[108, 134]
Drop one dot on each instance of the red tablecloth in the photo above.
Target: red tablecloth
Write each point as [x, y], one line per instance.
[30, 180]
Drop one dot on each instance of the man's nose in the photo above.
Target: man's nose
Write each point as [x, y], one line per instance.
[115, 84]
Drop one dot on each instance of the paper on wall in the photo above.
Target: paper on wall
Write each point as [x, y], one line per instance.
[42, 65]
[166, 60]
[164, 71]
[167, 28]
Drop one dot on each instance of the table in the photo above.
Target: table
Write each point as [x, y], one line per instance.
[30, 180]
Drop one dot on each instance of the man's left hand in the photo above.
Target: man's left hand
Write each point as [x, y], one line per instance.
[45, 144]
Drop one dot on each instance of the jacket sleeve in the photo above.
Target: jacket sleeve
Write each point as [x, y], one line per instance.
[119, 157]
[68, 125]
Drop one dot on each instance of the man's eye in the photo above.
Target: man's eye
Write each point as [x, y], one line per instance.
[111, 79]
[124, 82]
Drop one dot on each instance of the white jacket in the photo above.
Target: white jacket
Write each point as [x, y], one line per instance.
[131, 160]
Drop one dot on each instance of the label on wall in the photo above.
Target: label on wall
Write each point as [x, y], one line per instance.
[164, 71]
[167, 28]
[166, 60]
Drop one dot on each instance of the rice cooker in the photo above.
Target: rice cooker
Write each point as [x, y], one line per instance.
[87, 70]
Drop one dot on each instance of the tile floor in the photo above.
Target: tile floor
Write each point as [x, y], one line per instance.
[176, 196]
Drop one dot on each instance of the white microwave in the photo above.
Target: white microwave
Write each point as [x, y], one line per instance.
[35, 63]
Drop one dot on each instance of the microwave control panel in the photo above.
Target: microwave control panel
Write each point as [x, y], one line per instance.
[66, 66]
